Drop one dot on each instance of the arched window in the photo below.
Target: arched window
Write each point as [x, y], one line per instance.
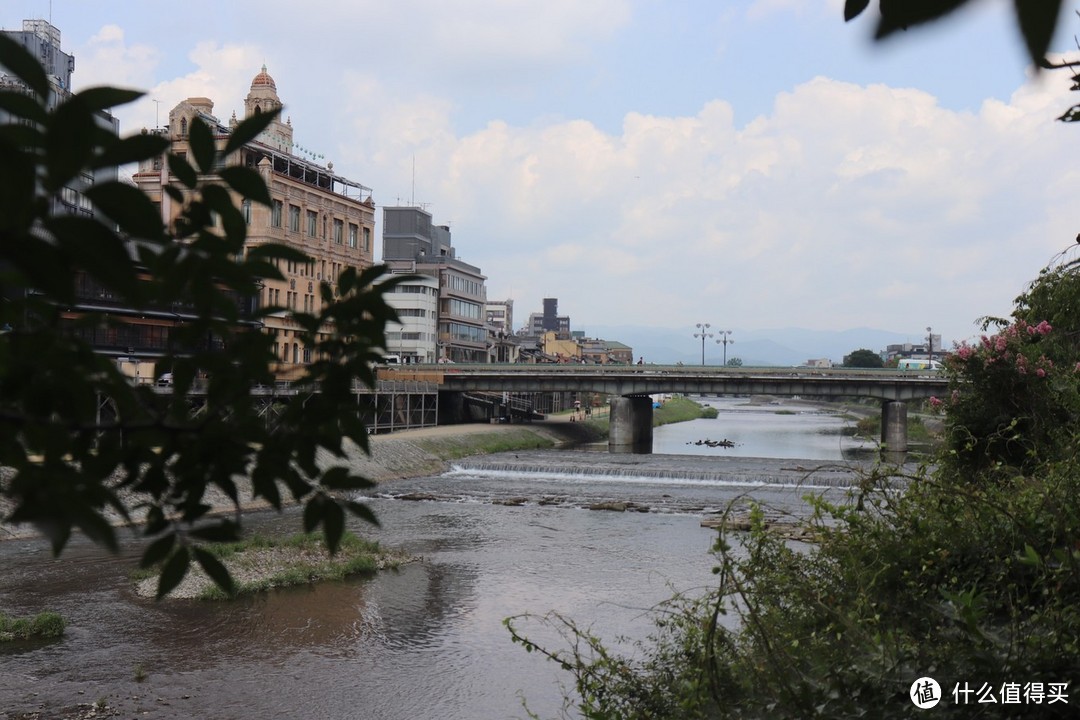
[183, 127]
[258, 109]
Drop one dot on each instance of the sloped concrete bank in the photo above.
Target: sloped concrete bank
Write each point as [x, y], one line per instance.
[428, 451]
[404, 454]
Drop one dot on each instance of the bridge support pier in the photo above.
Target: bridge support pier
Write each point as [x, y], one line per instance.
[630, 429]
[894, 437]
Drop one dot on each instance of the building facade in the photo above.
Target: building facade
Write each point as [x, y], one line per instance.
[415, 338]
[413, 244]
[313, 209]
[42, 40]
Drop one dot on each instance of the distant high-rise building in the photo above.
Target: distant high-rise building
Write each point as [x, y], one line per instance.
[549, 321]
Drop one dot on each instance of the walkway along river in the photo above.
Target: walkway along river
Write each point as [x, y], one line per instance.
[498, 536]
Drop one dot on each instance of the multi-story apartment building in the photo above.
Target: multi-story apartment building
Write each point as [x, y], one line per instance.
[313, 209]
[415, 338]
[42, 40]
[411, 243]
[500, 316]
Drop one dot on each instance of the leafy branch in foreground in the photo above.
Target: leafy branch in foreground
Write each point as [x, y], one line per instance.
[84, 446]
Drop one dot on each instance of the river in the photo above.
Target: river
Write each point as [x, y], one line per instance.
[426, 641]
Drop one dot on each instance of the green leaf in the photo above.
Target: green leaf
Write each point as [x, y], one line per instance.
[69, 144]
[247, 182]
[363, 512]
[130, 150]
[1037, 22]
[91, 246]
[313, 512]
[23, 106]
[217, 572]
[202, 146]
[275, 251]
[902, 14]
[129, 207]
[852, 8]
[338, 478]
[174, 571]
[183, 171]
[158, 550]
[220, 532]
[104, 97]
[249, 129]
[18, 61]
[333, 525]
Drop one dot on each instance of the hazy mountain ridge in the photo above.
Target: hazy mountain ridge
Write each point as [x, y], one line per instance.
[782, 346]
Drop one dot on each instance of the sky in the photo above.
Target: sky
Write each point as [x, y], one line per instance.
[751, 164]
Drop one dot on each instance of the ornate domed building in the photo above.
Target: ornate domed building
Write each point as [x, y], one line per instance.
[313, 209]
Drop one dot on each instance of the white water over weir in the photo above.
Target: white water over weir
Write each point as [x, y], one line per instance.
[689, 469]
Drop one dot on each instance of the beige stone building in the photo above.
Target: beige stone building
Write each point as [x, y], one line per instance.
[315, 210]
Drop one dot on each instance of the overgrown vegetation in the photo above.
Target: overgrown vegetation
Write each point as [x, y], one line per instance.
[968, 573]
[86, 446]
[44, 625]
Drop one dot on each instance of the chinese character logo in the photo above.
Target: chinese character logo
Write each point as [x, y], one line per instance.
[925, 693]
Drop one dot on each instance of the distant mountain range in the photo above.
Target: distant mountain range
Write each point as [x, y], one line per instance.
[779, 347]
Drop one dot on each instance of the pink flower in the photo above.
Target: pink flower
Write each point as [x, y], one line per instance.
[1000, 343]
[1043, 328]
[1040, 372]
[965, 351]
[935, 401]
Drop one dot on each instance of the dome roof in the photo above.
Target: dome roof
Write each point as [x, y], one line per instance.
[263, 79]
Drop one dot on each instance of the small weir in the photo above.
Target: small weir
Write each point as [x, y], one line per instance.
[650, 468]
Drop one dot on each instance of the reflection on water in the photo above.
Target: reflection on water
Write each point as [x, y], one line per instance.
[767, 429]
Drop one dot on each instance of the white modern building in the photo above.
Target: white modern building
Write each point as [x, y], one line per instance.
[415, 338]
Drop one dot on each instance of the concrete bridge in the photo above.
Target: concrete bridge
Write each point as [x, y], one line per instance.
[631, 408]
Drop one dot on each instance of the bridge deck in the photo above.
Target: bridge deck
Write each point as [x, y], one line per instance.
[892, 385]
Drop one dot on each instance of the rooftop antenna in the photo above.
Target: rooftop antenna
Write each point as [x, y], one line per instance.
[412, 198]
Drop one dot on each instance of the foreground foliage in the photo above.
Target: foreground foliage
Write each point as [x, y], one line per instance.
[968, 572]
[85, 446]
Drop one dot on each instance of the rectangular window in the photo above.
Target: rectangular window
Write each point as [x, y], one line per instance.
[246, 209]
[367, 239]
[312, 223]
[339, 231]
[275, 213]
[294, 218]
[352, 235]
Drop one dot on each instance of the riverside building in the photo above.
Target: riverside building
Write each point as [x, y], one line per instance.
[413, 244]
[313, 209]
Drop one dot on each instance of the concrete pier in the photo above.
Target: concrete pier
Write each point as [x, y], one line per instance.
[630, 429]
[894, 426]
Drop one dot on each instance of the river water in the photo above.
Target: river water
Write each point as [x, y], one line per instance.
[495, 537]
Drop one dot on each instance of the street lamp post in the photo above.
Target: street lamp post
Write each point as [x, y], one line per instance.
[703, 334]
[725, 340]
[930, 345]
